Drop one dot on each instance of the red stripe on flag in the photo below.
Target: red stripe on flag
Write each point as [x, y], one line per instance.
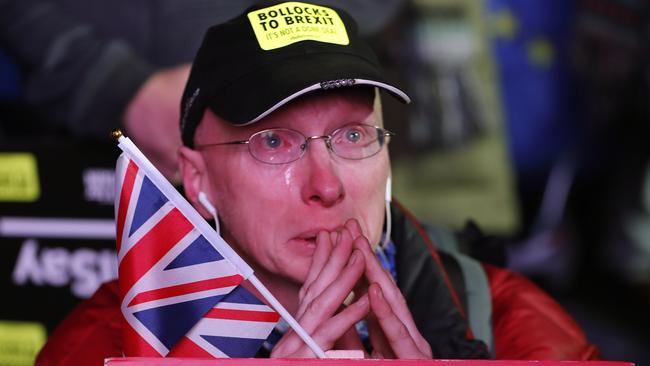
[187, 348]
[153, 246]
[134, 344]
[233, 314]
[125, 198]
[187, 288]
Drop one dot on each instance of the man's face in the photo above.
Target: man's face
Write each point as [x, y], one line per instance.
[272, 213]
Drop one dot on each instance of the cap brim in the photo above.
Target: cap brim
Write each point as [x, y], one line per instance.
[259, 93]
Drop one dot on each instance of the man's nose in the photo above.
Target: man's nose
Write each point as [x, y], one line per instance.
[323, 185]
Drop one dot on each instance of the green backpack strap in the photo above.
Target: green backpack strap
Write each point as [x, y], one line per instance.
[475, 287]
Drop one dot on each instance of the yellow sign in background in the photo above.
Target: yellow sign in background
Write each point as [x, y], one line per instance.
[18, 178]
[20, 342]
[281, 25]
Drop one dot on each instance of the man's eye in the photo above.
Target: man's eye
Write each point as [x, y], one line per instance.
[273, 141]
[353, 135]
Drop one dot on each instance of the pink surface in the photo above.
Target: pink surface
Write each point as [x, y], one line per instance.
[343, 362]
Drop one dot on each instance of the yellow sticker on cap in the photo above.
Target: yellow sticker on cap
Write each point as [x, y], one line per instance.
[18, 178]
[281, 25]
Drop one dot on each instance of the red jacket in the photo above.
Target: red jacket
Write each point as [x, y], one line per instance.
[526, 322]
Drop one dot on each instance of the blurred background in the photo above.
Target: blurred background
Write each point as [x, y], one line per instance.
[529, 118]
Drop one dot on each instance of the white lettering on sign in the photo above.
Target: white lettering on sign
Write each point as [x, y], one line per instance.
[99, 185]
[84, 269]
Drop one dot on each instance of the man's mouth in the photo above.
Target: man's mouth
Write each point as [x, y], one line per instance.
[305, 245]
[309, 240]
[309, 237]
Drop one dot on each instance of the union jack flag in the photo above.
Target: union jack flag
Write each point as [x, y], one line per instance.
[179, 281]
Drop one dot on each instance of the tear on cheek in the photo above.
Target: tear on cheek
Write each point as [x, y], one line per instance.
[288, 176]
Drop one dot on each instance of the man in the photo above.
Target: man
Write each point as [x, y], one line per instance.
[299, 173]
[282, 128]
[293, 230]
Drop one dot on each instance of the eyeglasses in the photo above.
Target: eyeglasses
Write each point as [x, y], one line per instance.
[283, 145]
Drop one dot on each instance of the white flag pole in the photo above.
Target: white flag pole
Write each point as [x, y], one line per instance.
[302, 333]
[226, 251]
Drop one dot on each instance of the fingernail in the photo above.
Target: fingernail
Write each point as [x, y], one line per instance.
[363, 301]
[376, 290]
[353, 258]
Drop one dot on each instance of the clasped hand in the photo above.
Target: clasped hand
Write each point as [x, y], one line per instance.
[343, 262]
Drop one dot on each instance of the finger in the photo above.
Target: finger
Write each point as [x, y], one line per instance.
[361, 287]
[287, 346]
[334, 237]
[335, 328]
[402, 344]
[334, 293]
[375, 273]
[321, 255]
[350, 340]
[380, 346]
[326, 335]
[377, 354]
[353, 226]
[337, 259]
[321, 309]
[374, 270]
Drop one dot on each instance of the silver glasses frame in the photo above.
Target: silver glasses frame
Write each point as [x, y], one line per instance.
[381, 132]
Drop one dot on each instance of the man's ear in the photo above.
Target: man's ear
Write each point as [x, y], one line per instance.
[194, 177]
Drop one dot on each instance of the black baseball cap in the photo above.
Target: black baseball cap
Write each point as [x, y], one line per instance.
[274, 53]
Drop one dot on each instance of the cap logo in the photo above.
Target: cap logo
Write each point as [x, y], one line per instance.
[283, 24]
[333, 84]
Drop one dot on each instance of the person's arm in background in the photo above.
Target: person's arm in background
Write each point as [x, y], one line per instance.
[87, 84]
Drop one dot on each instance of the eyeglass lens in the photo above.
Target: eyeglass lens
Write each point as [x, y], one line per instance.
[279, 146]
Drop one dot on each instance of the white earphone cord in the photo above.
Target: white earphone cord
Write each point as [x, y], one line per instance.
[384, 244]
[203, 200]
[388, 198]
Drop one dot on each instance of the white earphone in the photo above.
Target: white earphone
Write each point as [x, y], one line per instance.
[388, 198]
[203, 200]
